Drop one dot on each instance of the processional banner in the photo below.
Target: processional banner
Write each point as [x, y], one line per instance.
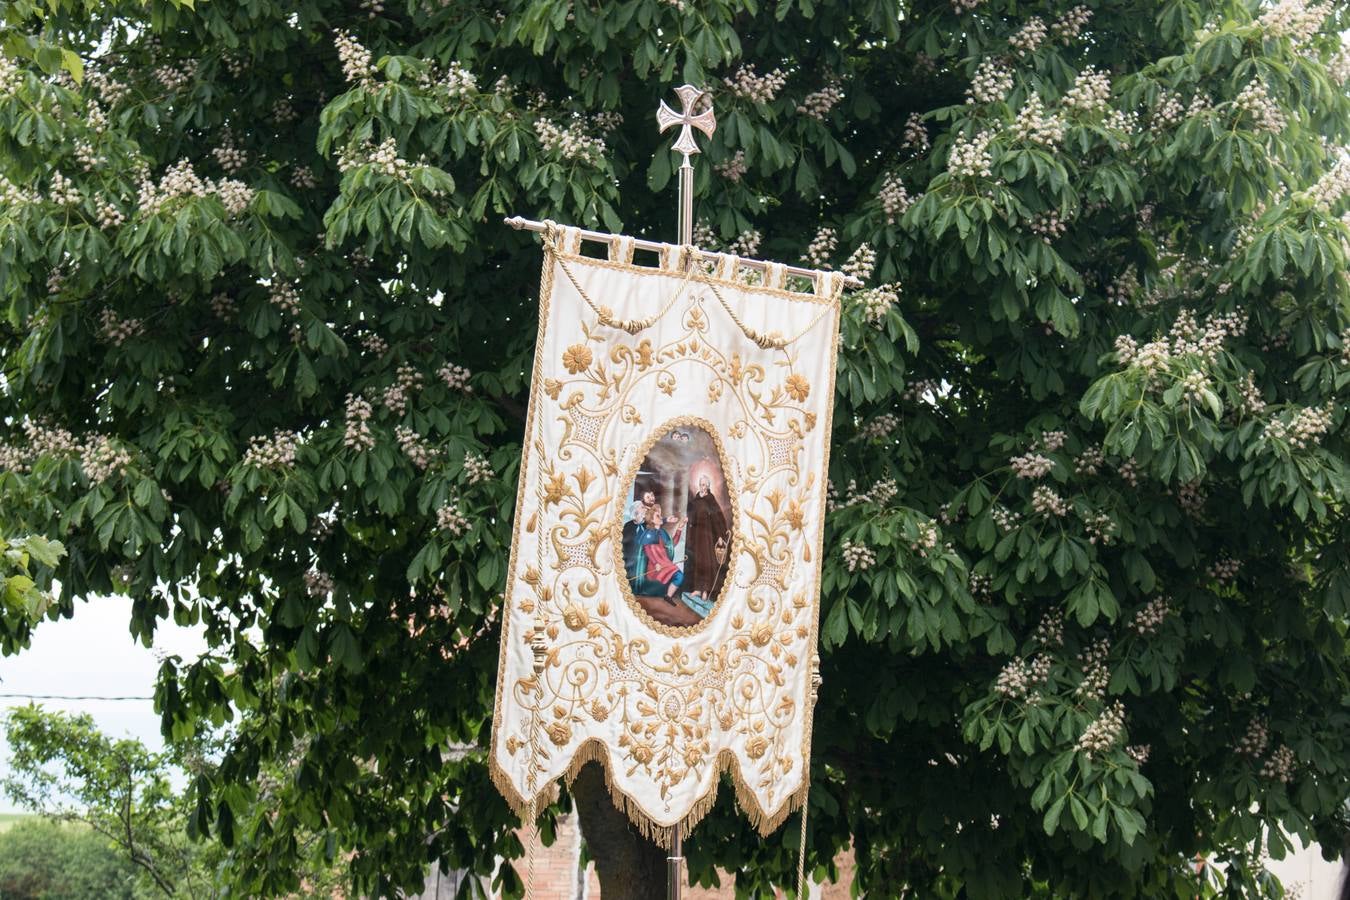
[663, 595]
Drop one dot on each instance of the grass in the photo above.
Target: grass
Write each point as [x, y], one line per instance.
[8, 819]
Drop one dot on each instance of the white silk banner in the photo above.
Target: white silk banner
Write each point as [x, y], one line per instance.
[664, 583]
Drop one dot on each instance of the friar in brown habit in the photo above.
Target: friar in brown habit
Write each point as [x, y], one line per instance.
[707, 539]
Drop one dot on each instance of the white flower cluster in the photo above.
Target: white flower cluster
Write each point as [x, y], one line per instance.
[732, 169]
[980, 584]
[1194, 387]
[1168, 111]
[1225, 570]
[358, 65]
[746, 243]
[302, 178]
[1297, 20]
[1139, 753]
[1018, 679]
[1148, 619]
[358, 436]
[748, 85]
[11, 76]
[318, 584]
[56, 280]
[459, 81]
[12, 196]
[894, 198]
[283, 112]
[861, 262]
[228, 155]
[1280, 766]
[1104, 731]
[1191, 497]
[877, 301]
[970, 157]
[1050, 631]
[477, 469]
[63, 191]
[1069, 26]
[1034, 124]
[1029, 37]
[1091, 91]
[818, 104]
[965, 6]
[993, 79]
[374, 344]
[1101, 528]
[373, 8]
[179, 180]
[234, 195]
[1338, 67]
[109, 89]
[822, 246]
[1333, 186]
[102, 461]
[1345, 346]
[13, 459]
[1051, 441]
[1123, 287]
[1302, 430]
[1096, 675]
[413, 447]
[1045, 501]
[176, 76]
[858, 557]
[569, 141]
[1186, 338]
[1005, 518]
[449, 518]
[1031, 465]
[107, 213]
[1048, 225]
[222, 305]
[1090, 461]
[915, 136]
[1254, 741]
[406, 383]
[116, 330]
[455, 377]
[285, 297]
[927, 539]
[921, 391]
[880, 426]
[274, 452]
[1255, 100]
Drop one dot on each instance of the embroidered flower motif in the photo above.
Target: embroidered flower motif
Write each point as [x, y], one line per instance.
[761, 633]
[756, 746]
[577, 358]
[693, 756]
[575, 617]
[556, 489]
[796, 516]
[643, 752]
[798, 387]
[552, 387]
[599, 711]
[644, 355]
[559, 732]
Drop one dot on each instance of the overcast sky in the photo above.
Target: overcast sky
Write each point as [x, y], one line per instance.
[93, 653]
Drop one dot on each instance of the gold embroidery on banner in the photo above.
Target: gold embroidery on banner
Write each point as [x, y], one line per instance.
[670, 708]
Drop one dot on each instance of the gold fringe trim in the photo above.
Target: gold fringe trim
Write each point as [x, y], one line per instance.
[594, 750]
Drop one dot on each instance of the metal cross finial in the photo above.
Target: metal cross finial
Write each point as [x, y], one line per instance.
[686, 144]
[705, 121]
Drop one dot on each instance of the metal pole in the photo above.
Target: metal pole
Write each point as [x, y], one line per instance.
[686, 221]
[674, 864]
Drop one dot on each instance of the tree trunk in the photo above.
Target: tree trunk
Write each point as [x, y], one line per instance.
[630, 867]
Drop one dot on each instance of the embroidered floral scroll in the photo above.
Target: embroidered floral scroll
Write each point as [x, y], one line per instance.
[663, 592]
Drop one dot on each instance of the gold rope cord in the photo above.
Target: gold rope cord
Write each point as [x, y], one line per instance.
[604, 313]
[801, 849]
[772, 340]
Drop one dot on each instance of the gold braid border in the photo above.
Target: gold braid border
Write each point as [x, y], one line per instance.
[593, 749]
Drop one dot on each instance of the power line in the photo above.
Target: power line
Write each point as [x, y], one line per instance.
[66, 697]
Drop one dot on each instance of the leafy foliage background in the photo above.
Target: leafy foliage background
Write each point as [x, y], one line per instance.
[266, 345]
